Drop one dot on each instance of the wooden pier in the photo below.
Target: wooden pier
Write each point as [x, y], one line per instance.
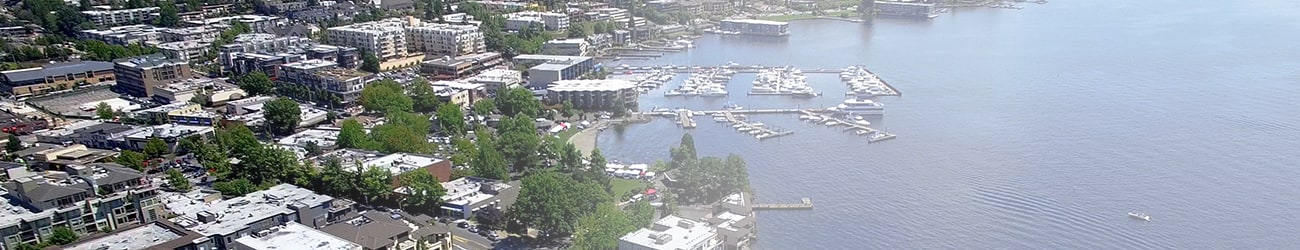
[805, 204]
[874, 135]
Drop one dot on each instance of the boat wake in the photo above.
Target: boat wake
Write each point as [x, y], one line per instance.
[1030, 216]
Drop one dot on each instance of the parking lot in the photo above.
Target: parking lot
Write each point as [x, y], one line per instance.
[70, 104]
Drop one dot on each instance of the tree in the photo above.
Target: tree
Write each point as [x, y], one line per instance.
[567, 109]
[352, 134]
[424, 98]
[451, 120]
[546, 203]
[376, 182]
[103, 111]
[13, 144]
[167, 15]
[385, 96]
[156, 147]
[257, 83]
[424, 190]
[200, 99]
[131, 159]
[491, 217]
[684, 153]
[178, 180]
[601, 229]
[404, 132]
[312, 149]
[518, 101]
[484, 107]
[282, 115]
[336, 180]
[640, 214]
[62, 236]
[577, 31]
[369, 62]
[488, 163]
[235, 188]
[571, 158]
[190, 144]
[268, 164]
[519, 142]
[83, 5]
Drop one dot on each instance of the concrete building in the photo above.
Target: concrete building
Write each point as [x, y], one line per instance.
[324, 137]
[57, 156]
[375, 230]
[548, 20]
[251, 113]
[257, 23]
[566, 47]
[503, 6]
[546, 69]
[396, 163]
[494, 80]
[293, 234]
[87, 199]
[905, 8]
[207, 11]
[450, 68]
[185, 50]
[161, 235]
[755, 27]
[107, 16]
[344, 84]
[266, 52]
[343, 11]
[734, 223]
[439, 39]
[470, 194]
[214, 90]
[671, 233]
[620, 17]
[594, 94]
[183, 113]
[385, 38]
[222, 221]
[135, 138]
[202, 33]
[126, 35]
[459, 93]
[137, 76]
[55, 76]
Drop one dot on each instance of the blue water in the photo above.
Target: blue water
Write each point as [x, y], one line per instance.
[1031, 129]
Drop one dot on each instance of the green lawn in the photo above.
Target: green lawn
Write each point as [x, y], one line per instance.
[564, 135]
[621, 186]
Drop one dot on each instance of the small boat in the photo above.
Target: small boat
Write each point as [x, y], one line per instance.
[672, 93]
[755, 132]
[738, 125]
[757, 124]
[720, 119]
[832, 123]
[744, 129]
[862, 132]
[1140, 216]
[805, 117]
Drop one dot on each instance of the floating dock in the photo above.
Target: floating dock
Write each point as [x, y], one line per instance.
[764, 131]
[805, 204]
[873, 135]
[684, 119]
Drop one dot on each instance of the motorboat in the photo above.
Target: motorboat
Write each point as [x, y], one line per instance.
[744, 129]
[755, 132]
[860, 106]
[720, 119]
[737, 126]
[832, 123]
[672, 93]
[805, 117]
[862, 132]
[803, 94]
[1140, 216]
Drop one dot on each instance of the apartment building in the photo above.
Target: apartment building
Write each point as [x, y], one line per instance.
[185, 50]
[593, 94]
[222, 221]
[107, 16]
[448, 67]
[257, 23]
[54, 76]
[137, 76]
[439, 39]
[201, 33]
[344, 84]
[566, 47]
[548, 20]
[494, 80]
[671, 233]
[86, 199]
[546, 69]
[214, 90]
[266, 52]
[385, 38]
[125, 35]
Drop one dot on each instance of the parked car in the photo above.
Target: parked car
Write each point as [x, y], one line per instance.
[463, 224]
[473, 229]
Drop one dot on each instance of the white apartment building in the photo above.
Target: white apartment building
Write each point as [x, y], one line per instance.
[258, 23]
[107, 16]
[550, 20]
[126, 34]
[671, 233]
[193, 33]
[438, 39]
[185, 50]
[498, 79]
[385, 38]
[566, 47]
[617, 16]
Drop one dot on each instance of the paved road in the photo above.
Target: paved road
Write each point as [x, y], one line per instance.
[469, 241]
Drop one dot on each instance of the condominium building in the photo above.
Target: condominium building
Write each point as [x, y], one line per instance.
[54, 76]
[207, 33]
[185, 50]
[448, 68]
[125, 35]
[439, 39]
[755, 27]
[344, 84]
[494, 80]
[546, 69]
[593, 94]
[137, 76]
[566, 47]
[222, 221]
[84, 198]
[266, 52]
[107, 16]
[905, 8]
[214, 90]
[385, 38]
[619, 17]
[257, 23]
[671, 233]
[294, 234]
[548, 20]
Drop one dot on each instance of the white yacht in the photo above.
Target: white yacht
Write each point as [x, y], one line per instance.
[860, 106]
[1140, 216]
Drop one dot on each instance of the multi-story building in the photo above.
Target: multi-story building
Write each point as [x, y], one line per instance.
[201, 33]
[566, 47]
[905, 9]
[396, 163]
[619, 17]
[222, 221]
[494, 80]
[755, 27]
[342, 11]
[107, 16]
[207, 11]
[377, 230]
[85, 199]
[185, 50]
[439, 39]
[671, 233]
[448, 67]
[594, 94]
[184, 113]
[344, 84]
[55, 76]
[266, 52]
[470, 194]
[503, 6]
[17, 31]
[137, 76]
[214, 90]
[171, 133]
[548, 20]
[294, 234]
[251, 112]
[257, 23]
[282, 7]
[125, 35]
[460, 93]
[386, 39]
[546, 69]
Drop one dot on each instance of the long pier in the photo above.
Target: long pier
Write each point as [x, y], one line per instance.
[805, 203]
[874, 135]
[764, 131]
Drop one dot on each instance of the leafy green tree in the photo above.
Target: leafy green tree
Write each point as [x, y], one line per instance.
[131, 159]
[553, 202]
[376, 182]
[404, 132]
[237, 140]
[178, 180]
[155, 148]
[257, 83]
[484, 107]
[352, 134]
[518, 101]
[282, 115]
[235, 188]
[519, 142]
[640, 214]
[577, 31]
[103, 111]
[465, 151]
[62, 236]
[570, 157]
[26, 246]
[385, 96]
[451, 120]
[567, 109]
[336, 180]
[491, 217]
[424, 190]
[13, 144]
[684, 153]
[488, 163]
[424, 98]
[268, 164]
[200, 99]
[312, 149]
[190, 144]
[370, 63]
[601, 229]
[168, 16]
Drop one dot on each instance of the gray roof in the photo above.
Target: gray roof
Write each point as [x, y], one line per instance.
[48, 192]
[106, 128]
[57, 69]
[373, 235]
[117, 173]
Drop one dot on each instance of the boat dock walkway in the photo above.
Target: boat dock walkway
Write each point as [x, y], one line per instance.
[805, 204]
[684, 119]
[873, 135]
[763, 131]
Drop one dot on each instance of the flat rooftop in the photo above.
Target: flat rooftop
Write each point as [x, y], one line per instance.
[322, 137]
[138, 238]
[310, 64]
[167, 131]
[398, 163]
[296, 236]
[237, 213]
[591, 85]
[671, 232]
[466, 191]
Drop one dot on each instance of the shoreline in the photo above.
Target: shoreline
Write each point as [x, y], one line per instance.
[585, 140]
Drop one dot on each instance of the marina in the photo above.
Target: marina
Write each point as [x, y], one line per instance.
[861, 81]
[805, 203]
[736, 117]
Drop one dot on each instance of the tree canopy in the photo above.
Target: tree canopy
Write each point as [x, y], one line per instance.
[488, 162]
[156, 147]
[424, 98]
[384, 96]
[131, 159]
[519, 142]
[177, 180]
[282, 116]
[424, 191]
[376, 182]
[451, 120]
[369, 62]
[484, 107]
[518, 101]
[103, 111]
[256, 83]
[352, 134]
[553, 202]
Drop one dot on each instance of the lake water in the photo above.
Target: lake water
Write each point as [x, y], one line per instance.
[1025, 129]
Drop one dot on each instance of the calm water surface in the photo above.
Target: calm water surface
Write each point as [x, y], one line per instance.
[1030, 129]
